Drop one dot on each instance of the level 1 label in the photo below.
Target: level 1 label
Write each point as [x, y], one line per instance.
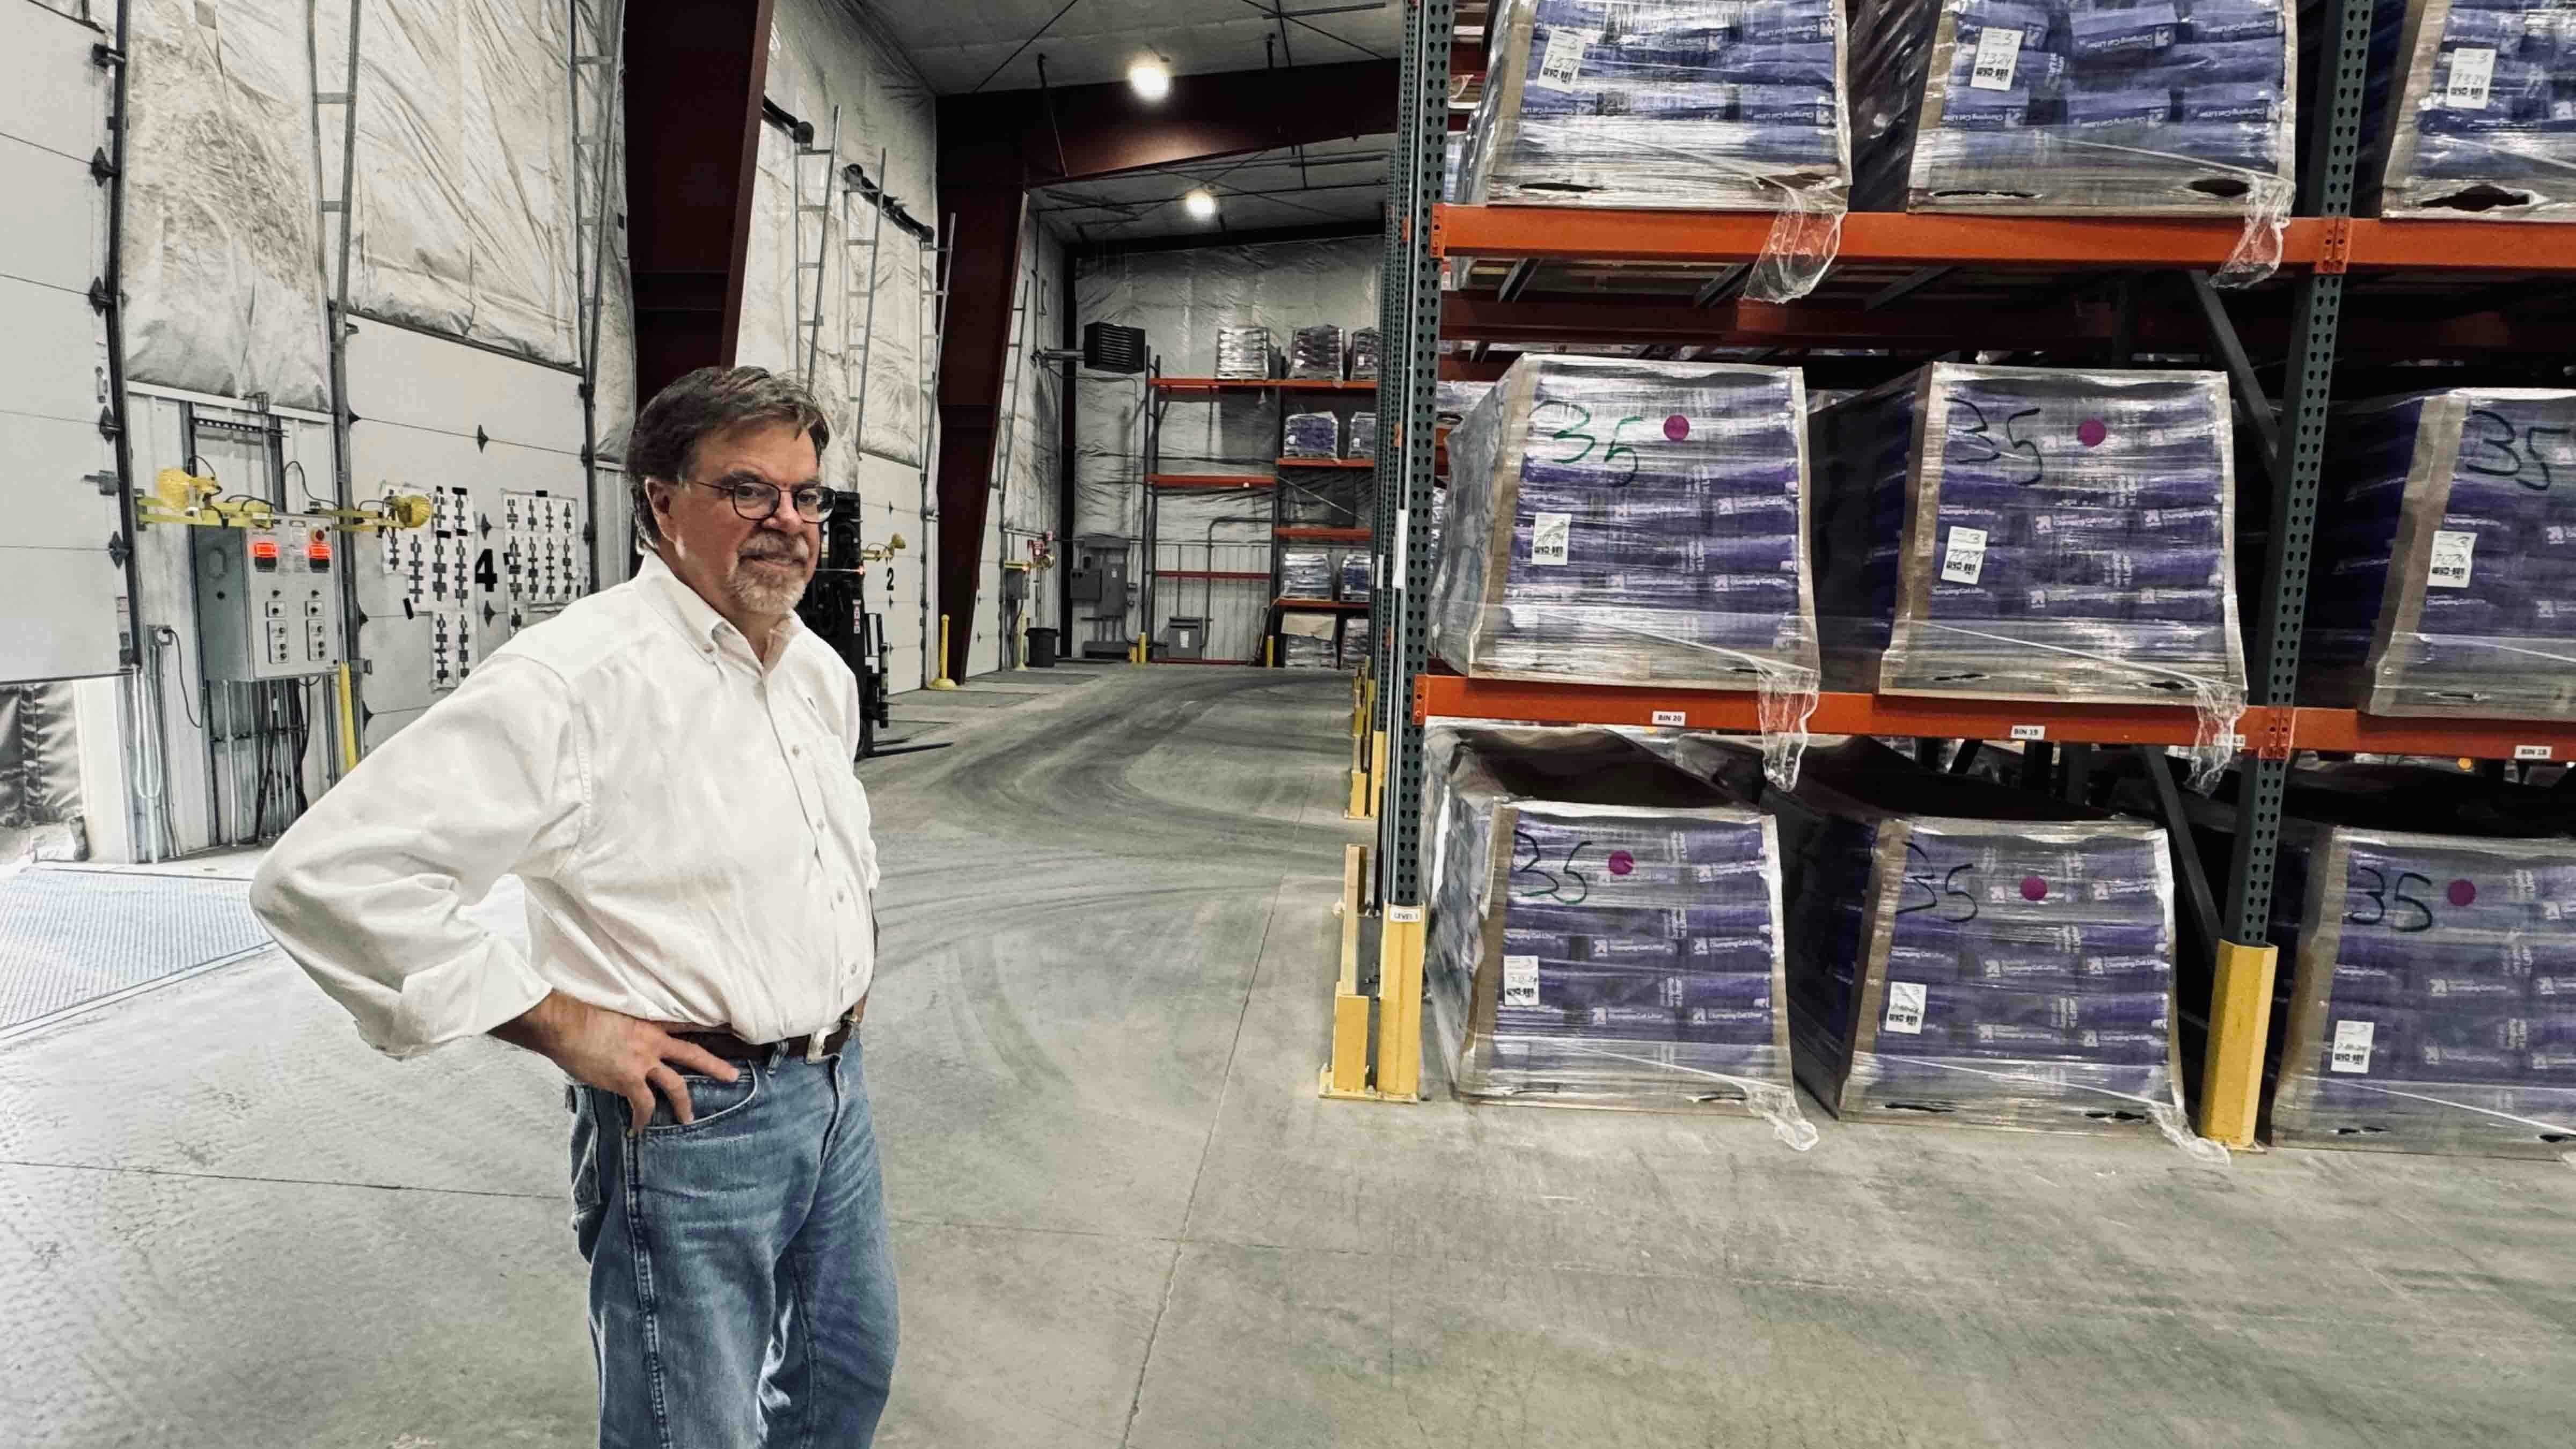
[1965, 558]
[1561, 62]
[2030, 732]
[1551, 535]
[1998, 56]
[1669, 717]
[1404, 915]
[1520, 981]
[2452, 552]
[1905, 1007]
[2352, 1046]
[2532, 752]
[2472, 79]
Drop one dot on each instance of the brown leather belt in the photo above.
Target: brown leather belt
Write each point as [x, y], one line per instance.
[820, 1046]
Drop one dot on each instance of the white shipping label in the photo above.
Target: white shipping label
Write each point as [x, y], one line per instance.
[2531, 752]
[2450, 566]
[1905, 1007]
[2472, 77]
[1520, 981]
[1561, 62]
[1998, 56]
[1550, 535]
[2352, 1046]
[1965, 558]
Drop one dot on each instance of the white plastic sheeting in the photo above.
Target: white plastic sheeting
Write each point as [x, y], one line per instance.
[1181, 298]
[463, 202]
[222, 246]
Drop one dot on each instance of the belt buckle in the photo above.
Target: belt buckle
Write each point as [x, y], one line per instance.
[814, 1046]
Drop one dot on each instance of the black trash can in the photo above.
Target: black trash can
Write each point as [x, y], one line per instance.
[1042, 648]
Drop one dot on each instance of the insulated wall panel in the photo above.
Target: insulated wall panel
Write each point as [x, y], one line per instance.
[58, 585]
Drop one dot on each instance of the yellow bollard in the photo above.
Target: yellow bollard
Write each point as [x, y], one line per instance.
[348, 725]
[2240, 1023]
[943, 681]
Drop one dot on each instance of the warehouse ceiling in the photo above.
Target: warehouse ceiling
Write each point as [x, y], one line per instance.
[967, 46]
[1335, 183]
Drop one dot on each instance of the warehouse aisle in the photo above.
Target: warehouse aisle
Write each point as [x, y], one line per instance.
[1124, 1218]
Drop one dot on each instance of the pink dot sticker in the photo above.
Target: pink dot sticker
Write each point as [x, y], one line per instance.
[2463, 892]
[1621, 862]
[2033, 888]
[1677, 427]
[2091, 432]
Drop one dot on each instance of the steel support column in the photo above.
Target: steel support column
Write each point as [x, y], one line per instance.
[690, 157]
[983, 267]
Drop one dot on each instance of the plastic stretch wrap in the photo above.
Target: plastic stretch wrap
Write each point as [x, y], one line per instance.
[1364, 354]
[1243, 351]
[2444, 579]
[2473, 106]
[1629, 522]
[1306, 641]
[1311, 435]
[1963, 952]
[1362, 442]
[1709, 104]
[1316, 352]
[1604, 929]
[2026, 533]
[1353, 577]
[1305, 573]
[2071, 106]
[2432, 992]
[1451, 401]
[1356, 637]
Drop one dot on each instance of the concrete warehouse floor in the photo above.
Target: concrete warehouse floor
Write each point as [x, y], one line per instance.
[1123, 1217]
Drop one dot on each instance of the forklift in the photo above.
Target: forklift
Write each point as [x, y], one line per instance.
[836, 609]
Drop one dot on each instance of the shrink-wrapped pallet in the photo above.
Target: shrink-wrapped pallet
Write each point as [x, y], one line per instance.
[2431, 992]
[1629, 522]
[2028, 533]
[2472, 110]
[2444, 577]
[1316, 352]
[2076, 106]
[1305, 573]
[1364, 354]
[1243, 352]
[1964, 952]
[1604, 929]
[1311, 435]
[1362, 441]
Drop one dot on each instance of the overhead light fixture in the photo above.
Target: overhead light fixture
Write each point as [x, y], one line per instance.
[1150, 76]
[1200, 203]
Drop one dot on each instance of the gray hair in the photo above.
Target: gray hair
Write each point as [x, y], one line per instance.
[711, 400]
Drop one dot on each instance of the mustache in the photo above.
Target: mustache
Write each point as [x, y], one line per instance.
[779, 550]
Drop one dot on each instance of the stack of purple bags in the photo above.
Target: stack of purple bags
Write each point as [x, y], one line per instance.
[1604, 928]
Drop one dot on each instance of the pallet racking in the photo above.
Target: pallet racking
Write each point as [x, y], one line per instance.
[1160, 392]
[2061, 290]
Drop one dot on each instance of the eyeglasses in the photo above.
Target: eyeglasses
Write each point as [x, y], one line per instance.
[759, 501]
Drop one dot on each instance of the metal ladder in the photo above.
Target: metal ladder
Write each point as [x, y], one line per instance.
[335, 212]
[857, 317]
[934, 330]
[597, 77]
[1023, 307]
[809, 325]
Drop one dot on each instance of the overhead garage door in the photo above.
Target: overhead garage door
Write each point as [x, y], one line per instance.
[55, 568]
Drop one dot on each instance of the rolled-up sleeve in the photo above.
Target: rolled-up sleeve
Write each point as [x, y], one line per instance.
[368, 891]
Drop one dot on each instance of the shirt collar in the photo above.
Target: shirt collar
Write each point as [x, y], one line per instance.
[699, 623]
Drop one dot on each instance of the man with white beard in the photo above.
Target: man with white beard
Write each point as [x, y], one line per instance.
[667, 766]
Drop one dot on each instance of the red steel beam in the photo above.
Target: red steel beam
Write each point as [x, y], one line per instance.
[690, 157]
[983, 266]
[1880, 238]
[1107, 129]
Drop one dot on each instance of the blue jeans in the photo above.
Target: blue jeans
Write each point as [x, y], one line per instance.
[741, 1291]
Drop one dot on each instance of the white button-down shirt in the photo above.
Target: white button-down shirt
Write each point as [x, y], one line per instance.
[693, 839]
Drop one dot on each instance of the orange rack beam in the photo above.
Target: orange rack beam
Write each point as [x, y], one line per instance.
[1883, 238]
[1209, 480]
[1343, 605]
[1256, 384]
[1326, 535]
[2478, 739]
[1328, 462]
[2457, 246]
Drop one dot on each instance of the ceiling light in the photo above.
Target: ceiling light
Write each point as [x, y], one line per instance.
[1199, 203]
[1151, 78]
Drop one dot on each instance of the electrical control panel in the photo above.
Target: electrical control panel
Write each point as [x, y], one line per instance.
[268, 599]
